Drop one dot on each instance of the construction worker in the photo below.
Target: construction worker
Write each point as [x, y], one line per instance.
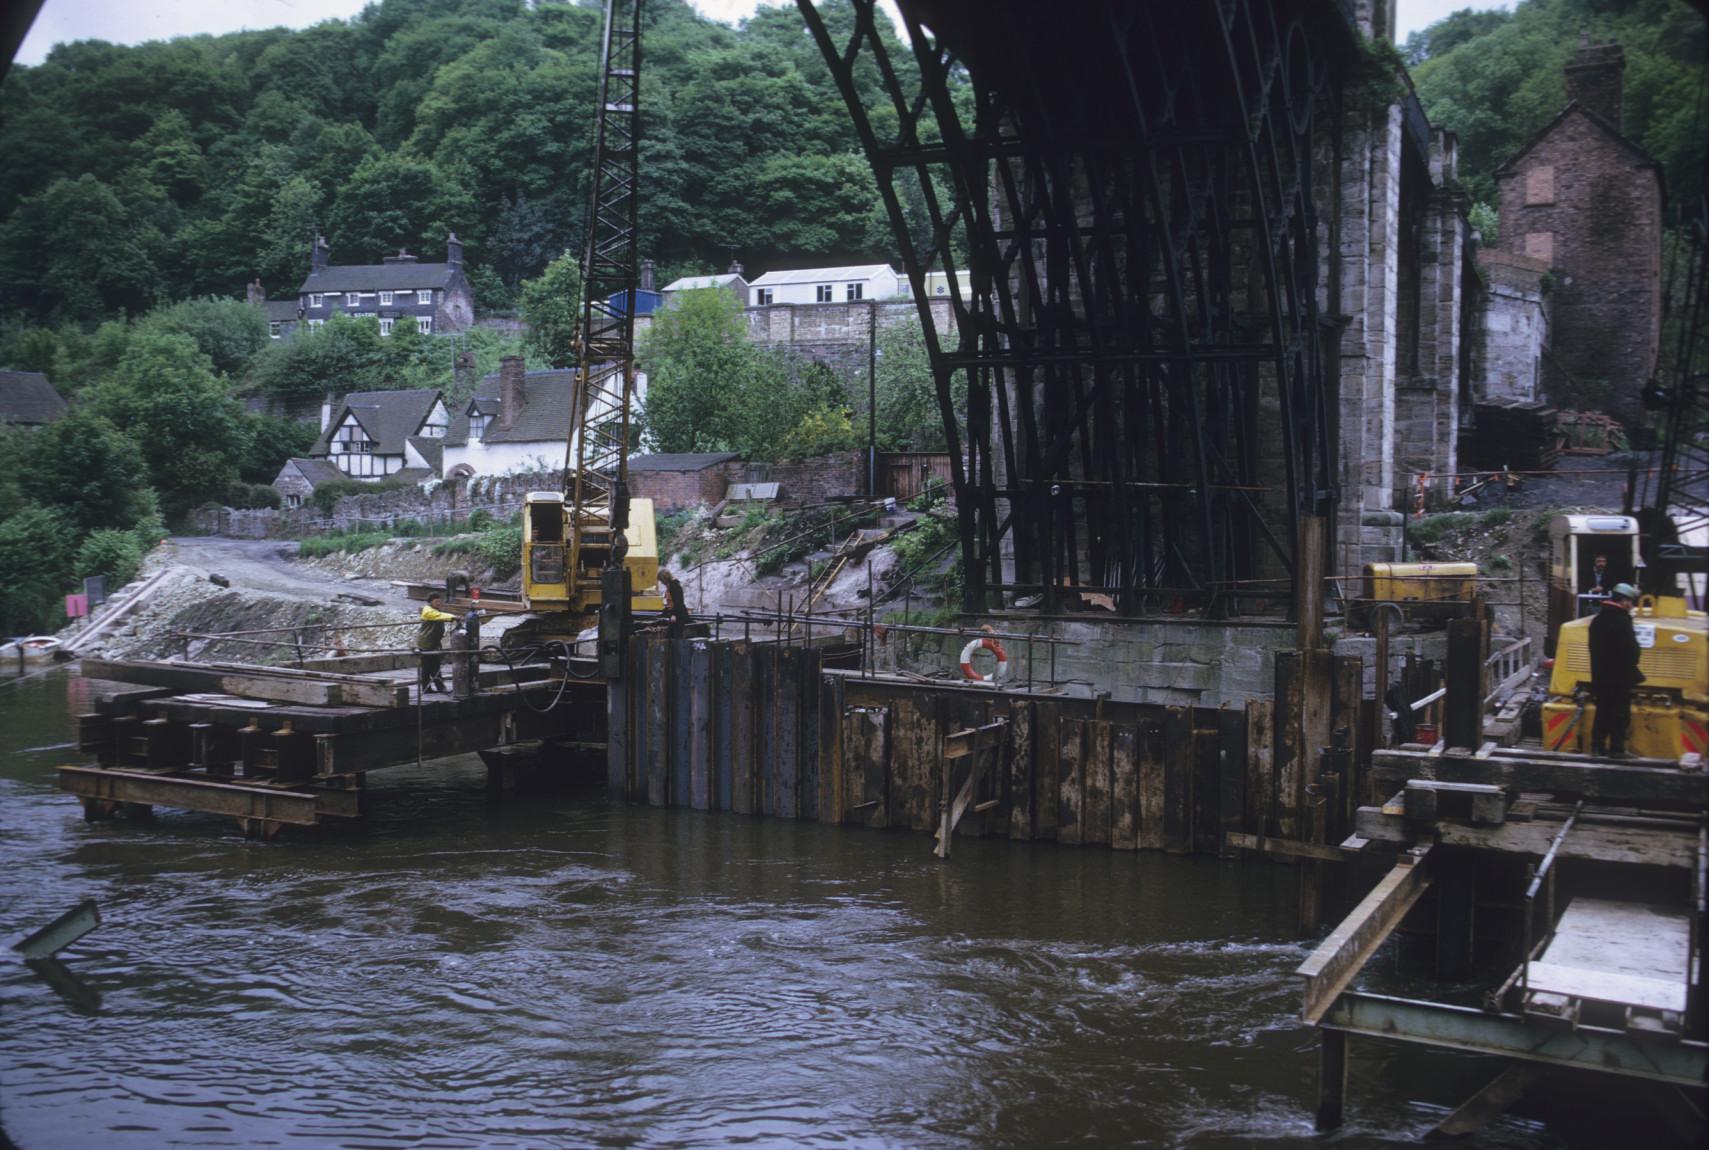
[430, 639]
[1614, 670]
[676, 605]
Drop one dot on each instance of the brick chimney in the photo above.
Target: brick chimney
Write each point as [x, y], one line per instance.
[646, 275]
[1595, 79]
[256, 294]
[318, 255]
[512, 393]
[454, 250]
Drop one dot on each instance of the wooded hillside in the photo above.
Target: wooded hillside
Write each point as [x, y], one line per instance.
[165, 171]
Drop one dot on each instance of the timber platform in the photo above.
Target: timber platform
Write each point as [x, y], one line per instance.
[275, 747]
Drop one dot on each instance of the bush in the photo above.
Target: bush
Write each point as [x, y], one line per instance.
[113, 553]
[327, 495]
[500, 550]
[251, 496]
[341, 542]
[480, 519]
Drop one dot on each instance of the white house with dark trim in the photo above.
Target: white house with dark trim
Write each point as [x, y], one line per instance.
[398, 290]
[826, 285]
[371, 435]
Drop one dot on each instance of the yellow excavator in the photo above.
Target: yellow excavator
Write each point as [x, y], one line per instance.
[1670, 708]
[589, 552]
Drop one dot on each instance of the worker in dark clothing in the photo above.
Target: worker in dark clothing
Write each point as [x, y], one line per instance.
[430, 639]
[676, 605]
[1614, 670]
[1600, 579]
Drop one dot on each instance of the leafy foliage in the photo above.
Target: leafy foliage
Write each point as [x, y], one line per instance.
[113, 553]
[36, 553]
[1495, 78]
[178, 169]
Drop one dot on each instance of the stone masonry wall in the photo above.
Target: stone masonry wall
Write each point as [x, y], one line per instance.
[1507, 353]
[1186, 663]
[1587, 205]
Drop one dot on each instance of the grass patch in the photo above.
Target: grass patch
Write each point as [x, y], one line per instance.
[1432, 528]
[341, 543]
[1500, 564]
[1496, 516]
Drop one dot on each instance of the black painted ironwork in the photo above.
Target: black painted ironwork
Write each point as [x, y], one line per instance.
[595, 481]
[1132, 190]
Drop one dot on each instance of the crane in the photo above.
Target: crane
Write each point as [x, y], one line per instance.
[589, 548]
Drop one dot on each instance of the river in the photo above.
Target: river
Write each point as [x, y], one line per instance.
[566, 973]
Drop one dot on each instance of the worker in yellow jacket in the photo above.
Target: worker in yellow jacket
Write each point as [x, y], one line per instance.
[430, 640]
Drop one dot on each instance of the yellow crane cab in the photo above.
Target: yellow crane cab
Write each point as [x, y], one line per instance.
[1574, 543]
[1670, 709]
[548, 585]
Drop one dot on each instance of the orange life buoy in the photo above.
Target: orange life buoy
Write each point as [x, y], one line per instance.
[992, 646]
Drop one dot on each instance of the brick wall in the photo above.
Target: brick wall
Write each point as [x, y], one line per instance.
[1590, 207]
[812, 481]
[675, 490]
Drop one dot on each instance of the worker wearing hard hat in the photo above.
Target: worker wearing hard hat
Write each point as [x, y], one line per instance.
[1614, 654]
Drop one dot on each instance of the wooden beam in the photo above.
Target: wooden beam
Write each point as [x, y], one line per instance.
[1566, 776]
[238, 799]
[1291, 848]
[1333, 965]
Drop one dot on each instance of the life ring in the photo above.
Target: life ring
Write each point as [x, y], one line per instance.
[992, 646]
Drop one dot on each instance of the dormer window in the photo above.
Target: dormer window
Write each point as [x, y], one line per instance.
[385, 299]
[478, 425]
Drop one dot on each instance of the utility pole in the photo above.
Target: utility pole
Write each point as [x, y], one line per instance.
[872, 400]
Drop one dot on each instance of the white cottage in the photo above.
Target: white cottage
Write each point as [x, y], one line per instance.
[825, 285]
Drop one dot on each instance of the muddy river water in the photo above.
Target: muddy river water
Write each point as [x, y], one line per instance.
[567, 972]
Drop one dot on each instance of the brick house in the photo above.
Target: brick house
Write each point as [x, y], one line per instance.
[1588, 202]
[27, 399]
[400, 289]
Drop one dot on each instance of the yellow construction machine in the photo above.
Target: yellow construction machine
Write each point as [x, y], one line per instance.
[589, 552]
[1670, 709]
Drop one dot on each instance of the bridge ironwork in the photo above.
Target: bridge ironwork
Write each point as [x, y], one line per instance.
[1136, 194]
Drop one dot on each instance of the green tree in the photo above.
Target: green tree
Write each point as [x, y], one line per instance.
[549, 309]
[271, 442]
[112, 553]
[343, 355]
[698, 362]
[36, 551]
[75, 251]
[229, 332]
[165, 393]
[909, 417]
[90, 469]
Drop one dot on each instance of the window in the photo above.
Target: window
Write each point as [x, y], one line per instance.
[1540, 186]
[425, 297]
[316, 300]
[385, 326]
[293, 501]
[385, 299]
[823, 293]
[273, 329]
[855, 291]
[314, 324]
[350, 439]
[763, 297]
[352, 298]
[478, 425]
[424, 324]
